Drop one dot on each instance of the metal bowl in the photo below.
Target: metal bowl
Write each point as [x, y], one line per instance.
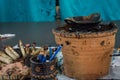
[92, 19]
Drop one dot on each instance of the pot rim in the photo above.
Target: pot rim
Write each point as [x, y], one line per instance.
[64, 33]
[45, 63]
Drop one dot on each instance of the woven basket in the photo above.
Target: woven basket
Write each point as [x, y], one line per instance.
[43, 71]
[86, 55]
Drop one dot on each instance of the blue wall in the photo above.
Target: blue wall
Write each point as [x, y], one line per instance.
[109, 9]
[27, 10]
[44, 10]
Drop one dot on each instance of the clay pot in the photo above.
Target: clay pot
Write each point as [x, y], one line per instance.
[43, 71]
[86, 54]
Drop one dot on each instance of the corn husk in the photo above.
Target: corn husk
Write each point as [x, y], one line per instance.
[27, 50]
[33, 50]
[42, 51]
[13, 51]
[10, 54]
[36, 52]
[22, 48]
[5, 60]
[3, 54]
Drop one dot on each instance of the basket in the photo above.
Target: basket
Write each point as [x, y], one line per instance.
[43, 71]
[86, 54]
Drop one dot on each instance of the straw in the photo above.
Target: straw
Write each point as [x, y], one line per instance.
[44, 59]
[50, 50]
[56, 52]
[40, 57]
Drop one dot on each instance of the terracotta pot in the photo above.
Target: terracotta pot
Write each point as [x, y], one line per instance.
[86, 54]
[43, 71]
